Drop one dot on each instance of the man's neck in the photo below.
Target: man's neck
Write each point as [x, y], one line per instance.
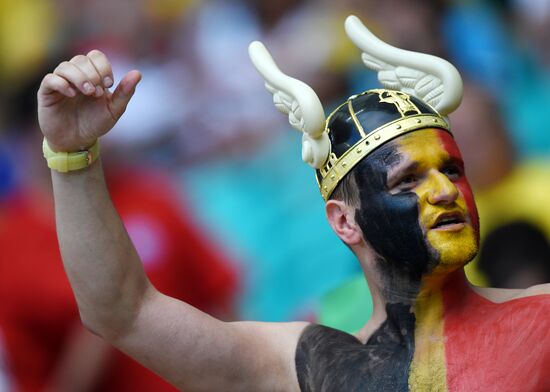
[436, 282]
[416, 297]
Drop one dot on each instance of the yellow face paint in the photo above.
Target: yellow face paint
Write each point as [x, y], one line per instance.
[444, 196]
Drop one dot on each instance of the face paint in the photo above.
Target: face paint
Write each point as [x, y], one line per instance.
[447, 212]
[390, 222]
[462, 183]
[414, 209]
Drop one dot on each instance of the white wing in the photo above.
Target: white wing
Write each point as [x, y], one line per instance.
[430, 78]
[287, 105]
[299, 101]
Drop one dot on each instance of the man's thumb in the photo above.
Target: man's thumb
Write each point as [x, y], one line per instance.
[124, 92]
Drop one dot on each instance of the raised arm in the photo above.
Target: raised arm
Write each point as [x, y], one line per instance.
[116, 300]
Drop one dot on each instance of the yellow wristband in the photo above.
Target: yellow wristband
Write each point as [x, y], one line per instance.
[69, 161]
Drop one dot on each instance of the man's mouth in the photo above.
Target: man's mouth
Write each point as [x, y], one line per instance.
[449, 221]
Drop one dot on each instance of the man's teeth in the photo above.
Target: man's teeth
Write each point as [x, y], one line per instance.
[447, 221]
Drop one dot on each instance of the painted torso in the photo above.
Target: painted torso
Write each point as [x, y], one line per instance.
[462, 342]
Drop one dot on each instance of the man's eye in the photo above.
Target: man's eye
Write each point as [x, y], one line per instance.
[408, 180]
[406, 183]
[452, 172]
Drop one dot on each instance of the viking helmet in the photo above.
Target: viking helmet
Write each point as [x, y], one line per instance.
[420, 90]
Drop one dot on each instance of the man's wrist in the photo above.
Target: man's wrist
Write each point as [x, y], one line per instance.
[70, 161]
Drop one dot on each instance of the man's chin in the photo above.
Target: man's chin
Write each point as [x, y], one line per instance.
[455, 249]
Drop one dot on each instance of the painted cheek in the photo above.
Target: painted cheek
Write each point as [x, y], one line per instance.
[466, 191]
[390, 225]
[462, 184]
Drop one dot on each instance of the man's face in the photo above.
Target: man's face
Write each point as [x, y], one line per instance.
[417, 209]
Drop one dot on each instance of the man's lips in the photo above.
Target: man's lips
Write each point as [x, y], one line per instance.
[449, 221]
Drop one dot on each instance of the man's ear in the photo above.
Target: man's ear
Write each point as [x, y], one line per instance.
[342, 220]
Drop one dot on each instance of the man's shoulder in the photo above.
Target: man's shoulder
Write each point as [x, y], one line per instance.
[317, 340]
[539, 292]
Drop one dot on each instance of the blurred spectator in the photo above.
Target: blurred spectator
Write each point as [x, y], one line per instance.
[481, 134]
[7, 180]
[409, 24]
[486, 49]
[515, 255]
[532, 25]
[27, 29]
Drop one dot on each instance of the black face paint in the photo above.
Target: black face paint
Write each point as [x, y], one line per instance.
[390, 223]
[331, 360]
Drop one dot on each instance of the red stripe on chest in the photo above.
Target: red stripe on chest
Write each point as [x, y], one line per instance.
[497, 347]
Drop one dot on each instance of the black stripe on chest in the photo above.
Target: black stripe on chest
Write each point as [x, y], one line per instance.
[332, 360]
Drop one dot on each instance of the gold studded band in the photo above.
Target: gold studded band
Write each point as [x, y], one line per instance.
[371, 142]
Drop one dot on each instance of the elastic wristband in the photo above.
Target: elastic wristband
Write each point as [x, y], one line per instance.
[69, 161]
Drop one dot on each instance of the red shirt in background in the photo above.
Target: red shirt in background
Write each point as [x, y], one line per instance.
[37, 308]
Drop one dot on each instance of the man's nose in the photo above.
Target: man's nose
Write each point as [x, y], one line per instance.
[442, 189]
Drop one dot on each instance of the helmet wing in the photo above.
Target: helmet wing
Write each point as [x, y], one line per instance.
[430, 78]
[299, 101]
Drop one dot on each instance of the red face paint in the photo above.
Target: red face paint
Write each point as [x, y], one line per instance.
[462, 184]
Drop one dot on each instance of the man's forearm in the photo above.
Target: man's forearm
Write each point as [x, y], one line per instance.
[102, 264]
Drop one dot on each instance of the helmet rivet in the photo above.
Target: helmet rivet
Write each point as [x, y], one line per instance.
[398, 126]
[332, 177]
[376, 137]
[418, 121]
[344, 164]
[359, 151]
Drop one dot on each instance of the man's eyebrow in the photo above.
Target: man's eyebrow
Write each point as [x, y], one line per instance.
[401, 168]
[453, 161]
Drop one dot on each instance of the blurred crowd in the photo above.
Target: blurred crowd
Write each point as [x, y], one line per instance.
[208, 177]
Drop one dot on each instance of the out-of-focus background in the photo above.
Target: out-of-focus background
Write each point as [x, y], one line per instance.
[208, 178]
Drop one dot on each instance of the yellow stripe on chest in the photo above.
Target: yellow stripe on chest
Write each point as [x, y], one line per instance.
[427, 372]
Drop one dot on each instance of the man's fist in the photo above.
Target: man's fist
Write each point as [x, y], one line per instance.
[75, 106]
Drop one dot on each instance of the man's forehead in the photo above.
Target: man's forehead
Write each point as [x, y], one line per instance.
[424, 147]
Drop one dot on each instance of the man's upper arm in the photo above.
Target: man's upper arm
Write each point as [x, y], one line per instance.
[195, 351]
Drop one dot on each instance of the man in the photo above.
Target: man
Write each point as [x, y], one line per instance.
[396, 194]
